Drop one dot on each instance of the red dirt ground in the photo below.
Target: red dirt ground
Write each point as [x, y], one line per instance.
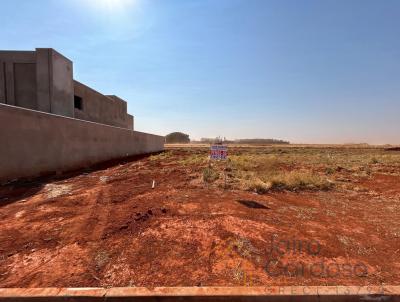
[109, 228]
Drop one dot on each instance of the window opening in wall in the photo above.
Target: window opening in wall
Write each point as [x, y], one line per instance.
[78, 104]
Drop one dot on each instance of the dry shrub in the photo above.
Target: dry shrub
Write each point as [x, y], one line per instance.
[374, 160]
[160, 156]
[210, 175]
[291, 181]
[263, 173]
[298, 180]
[255, 162]
[194, 160]
[257, 185]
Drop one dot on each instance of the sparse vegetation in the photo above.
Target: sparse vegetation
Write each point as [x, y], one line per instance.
[258, 186]
[291, 181]
[160, 156]
[101, 259]
[262, 173]
[194, 159]
[210, 175]
[374, 160]
[290, 168]
[294, 168]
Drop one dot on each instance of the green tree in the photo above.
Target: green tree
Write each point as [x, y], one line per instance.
[177, 138]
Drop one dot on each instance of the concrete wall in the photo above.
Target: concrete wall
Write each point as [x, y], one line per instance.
[61, 84]
[130, 122]
[43, 62]
[33, 143]
[25, 85]
[99, 108]
[38, 80]
[43, 80]
[18, 78]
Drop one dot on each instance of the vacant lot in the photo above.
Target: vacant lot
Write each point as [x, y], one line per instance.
[271, 215]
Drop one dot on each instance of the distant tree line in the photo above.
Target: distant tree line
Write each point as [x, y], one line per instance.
[270, 141]
[259, 141]
[183, 138]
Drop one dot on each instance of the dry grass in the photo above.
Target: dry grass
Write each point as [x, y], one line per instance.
[160, 156]
[101, 259]
[210, 175]
[291, 181]
[275, 169]
[263, 173]
[290, 167]
[194, 160]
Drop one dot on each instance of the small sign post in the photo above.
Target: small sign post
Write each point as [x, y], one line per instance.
[220, 152]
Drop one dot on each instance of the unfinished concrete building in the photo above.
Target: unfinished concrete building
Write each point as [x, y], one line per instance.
[37, 89]
[43, 80]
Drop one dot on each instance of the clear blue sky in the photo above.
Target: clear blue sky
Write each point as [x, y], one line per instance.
[309, 71]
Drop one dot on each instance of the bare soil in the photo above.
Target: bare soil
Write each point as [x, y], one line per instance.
[110, 228]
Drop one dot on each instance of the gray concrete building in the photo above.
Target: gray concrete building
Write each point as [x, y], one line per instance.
[50, 123]
[43, 80]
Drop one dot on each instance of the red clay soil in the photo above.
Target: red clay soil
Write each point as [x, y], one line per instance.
[110, 228]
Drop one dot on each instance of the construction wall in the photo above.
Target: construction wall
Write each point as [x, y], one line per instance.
[39, 80]
[43, 80]
[18, 78]
[99, 108]
[61, 83]
[34, 143]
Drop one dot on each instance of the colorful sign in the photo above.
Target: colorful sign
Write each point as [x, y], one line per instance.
[219, 152]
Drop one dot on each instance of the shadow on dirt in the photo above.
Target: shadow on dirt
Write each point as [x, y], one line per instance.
[24, 188]
[252, 204]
